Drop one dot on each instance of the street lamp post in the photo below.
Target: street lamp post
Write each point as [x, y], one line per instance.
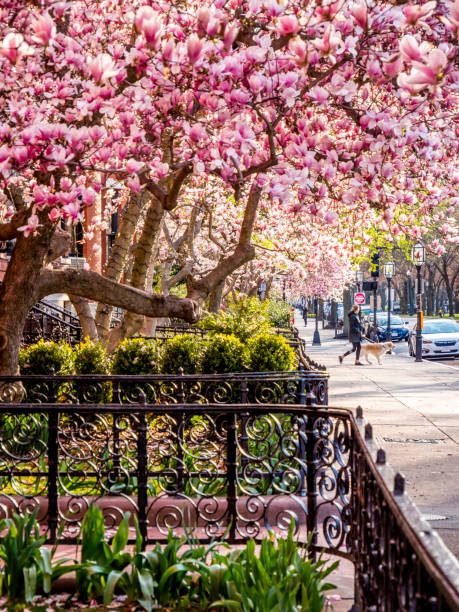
[418, 255]
[358, 278]
[408, 282]
[389, 269]
[316, 337]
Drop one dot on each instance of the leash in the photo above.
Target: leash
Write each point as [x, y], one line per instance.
[369, 340]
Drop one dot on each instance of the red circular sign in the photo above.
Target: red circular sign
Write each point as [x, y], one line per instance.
[359, 298]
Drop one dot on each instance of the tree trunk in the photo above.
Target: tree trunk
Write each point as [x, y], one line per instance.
[450, 294]
[84, 313]
[133, 322]
[403, 297]
[120, 253]
[215, 298]
[18, 292]
[347, 303]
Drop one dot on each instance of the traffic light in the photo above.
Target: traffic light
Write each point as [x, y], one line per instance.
[374, 270]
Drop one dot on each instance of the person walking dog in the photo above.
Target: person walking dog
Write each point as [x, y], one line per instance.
[355, 335]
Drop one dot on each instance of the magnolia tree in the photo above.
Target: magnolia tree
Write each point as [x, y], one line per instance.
[343, 110]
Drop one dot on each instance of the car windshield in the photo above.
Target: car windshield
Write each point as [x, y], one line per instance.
[441, 327]
[393, 321]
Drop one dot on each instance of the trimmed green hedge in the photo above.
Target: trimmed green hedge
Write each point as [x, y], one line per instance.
[184, 351]
[217, 354]
[39, 358]
[137, 356]
[270, 353]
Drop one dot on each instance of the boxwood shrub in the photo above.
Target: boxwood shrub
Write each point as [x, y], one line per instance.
[270, 353]
[90, 357]
[39, 358]
[183, 351]
[136, 356]
[222, 354]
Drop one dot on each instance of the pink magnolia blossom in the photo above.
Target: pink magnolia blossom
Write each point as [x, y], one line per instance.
[133, 183]
[409, 48]
[45, 30]
[194, 48]
[133, 166]
[392, 69]
[454, 13]
[20, 154]
[54, 214]
[197, 132]
[168, 50]
[256, 54]
[152, 30]
[230, 35]
[331, 217]
[288, 24]
[72, 211]
[424, 74]
[359, 12]
[102, 67]
[14, 48]
[319, 94]
[31, 227]
[144, 13]
[299, 50]
[414, 12]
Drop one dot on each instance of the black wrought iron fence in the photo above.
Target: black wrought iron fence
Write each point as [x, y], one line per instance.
[229, 472]
[299, 387]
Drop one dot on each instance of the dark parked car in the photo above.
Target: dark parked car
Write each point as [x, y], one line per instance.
[398, 328]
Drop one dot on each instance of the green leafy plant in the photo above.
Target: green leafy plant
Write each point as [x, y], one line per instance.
[27, 565]
[39, 358]
[136, 356]
[279, 313]
[223, 353]
[90, 357]
[101, 564]
[183, 351]
[246, 318]
[279, 577]
[270, 353]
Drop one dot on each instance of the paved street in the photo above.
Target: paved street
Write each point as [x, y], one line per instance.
[414, 408]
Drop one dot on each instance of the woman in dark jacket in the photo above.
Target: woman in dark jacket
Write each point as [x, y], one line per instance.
[355, 335]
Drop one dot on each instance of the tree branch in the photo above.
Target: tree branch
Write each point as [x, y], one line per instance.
[85, 283]
[9, 231]
[244, 252]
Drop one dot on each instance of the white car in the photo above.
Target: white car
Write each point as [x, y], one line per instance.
[440, 338]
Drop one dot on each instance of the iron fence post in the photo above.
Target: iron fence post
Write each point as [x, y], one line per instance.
[302, 433]
[116, 431]
[231, 463]
[53, 465]
[311, 469]
[180, 433]
[142, 475]
[244, 418]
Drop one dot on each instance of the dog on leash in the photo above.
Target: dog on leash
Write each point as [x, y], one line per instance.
[378, 349]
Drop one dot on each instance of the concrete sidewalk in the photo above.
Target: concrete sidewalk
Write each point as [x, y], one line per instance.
[414, 408]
